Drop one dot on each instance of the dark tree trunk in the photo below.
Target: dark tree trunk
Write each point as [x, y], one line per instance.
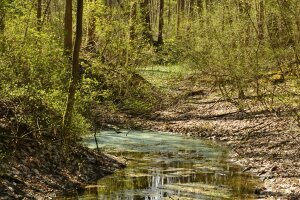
[160, 40]
[74, 83]
[39, 15]
[200, 7]
[145, 11]
[2, 16]
[182, 5]
[68, 27]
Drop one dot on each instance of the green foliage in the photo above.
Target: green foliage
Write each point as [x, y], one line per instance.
[119, 89]
[239, 47]
[35, 71]
[226, 47]
[171, 53]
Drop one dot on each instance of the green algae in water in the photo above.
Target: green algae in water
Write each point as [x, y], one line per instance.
[166, 166]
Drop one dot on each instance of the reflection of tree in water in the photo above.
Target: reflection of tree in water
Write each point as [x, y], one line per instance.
[177, 167]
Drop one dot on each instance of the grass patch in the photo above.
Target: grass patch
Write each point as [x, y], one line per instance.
[165, 77]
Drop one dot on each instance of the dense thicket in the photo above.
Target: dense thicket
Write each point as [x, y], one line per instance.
[35, 65]
[246, 48]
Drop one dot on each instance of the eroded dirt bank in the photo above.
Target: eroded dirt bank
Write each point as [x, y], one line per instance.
[266, 143]
[40, 169]
[44, 163]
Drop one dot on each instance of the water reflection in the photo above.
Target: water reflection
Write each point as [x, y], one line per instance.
[164, 166]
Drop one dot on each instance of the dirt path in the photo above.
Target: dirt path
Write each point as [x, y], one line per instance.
[264, 142]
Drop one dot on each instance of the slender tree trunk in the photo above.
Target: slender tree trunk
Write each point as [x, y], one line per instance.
[91, 40]
[39, 15]
[247, 31]
[207, 12]
[193, 7]
[190, 15]
[291, 34]
[169, 12]
[261, 19]
[145, 11]
[2, 22]
[2, 17]
[208, 5]
[182, 5]
[223, 16]
[297, 35]
[200, 7]
[47, 12]
[133, 9]
[68, 27]
[297, 18]
[108, 3]
[178, 16]
[74, 83]
[160, 40]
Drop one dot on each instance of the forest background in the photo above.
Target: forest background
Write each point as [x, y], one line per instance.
[60, 70]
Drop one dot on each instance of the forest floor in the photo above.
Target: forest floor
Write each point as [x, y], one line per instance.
[39, 169]
[263, 142]
[41, 172]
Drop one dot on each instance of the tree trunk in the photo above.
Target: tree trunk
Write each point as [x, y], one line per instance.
[145, 11]
[2, 17]
[74, 83]
[169, 12]
[133, 9]
[246, 9]
[91, 43]
[297, 35]
[160, 40]
[108, 3]
[178, 16]
[68, 27]
[39, 15]
[297, 17]
[208, 5]
[288, 23]
[200, 7]
[182, 5]
[261, 19]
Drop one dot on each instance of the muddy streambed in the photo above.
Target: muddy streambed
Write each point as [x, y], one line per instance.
[168, 166]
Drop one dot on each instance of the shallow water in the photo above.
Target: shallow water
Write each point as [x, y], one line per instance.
[166, 166]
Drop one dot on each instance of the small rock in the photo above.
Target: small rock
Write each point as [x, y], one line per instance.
[10, 188]
[69, 186]
[36, 172]
[52, 195]
[260, 190]
[37, 197]
[16, 172]
[274, 168]
[24, 168]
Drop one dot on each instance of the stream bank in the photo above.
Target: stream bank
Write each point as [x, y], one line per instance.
[38, 169]
[264, 142]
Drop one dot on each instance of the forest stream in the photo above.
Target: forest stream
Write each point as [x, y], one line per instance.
[168, 166]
